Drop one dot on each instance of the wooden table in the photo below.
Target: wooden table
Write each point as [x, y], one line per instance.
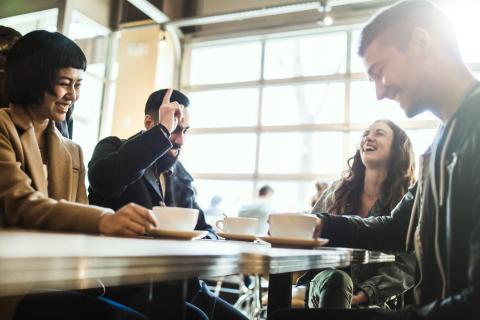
[67, 261]
[70, 261]
[280, 263]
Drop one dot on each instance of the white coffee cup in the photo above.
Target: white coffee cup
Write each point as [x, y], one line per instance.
[238, 225]
[174, 218]
[292, 225]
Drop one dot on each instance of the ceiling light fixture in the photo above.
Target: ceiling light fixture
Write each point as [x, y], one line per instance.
[325, 17]
[162, 44]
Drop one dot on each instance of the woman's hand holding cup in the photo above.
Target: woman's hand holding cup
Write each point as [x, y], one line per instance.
[129, 221]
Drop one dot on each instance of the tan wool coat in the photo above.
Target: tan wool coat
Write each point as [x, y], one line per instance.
[28, 199]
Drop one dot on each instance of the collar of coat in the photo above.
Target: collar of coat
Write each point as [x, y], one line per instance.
[59, 161]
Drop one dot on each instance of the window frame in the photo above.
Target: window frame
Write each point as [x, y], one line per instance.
[346, 127]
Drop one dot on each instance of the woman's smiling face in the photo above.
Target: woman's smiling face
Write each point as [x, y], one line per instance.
[376, 144]
[67, 91]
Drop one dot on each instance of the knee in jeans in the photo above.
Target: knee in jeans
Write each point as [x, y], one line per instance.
[333, 278]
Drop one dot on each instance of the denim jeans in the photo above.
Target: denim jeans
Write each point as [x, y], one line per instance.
[72, 305]
[214, 307]
[330, 289]
[200, 302]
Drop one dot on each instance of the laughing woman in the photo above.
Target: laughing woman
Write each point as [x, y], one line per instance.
[378, 176]
[42, 173]
[42, 185]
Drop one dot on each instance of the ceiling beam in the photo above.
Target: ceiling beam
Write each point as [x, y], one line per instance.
[261, 12]
[150, 10]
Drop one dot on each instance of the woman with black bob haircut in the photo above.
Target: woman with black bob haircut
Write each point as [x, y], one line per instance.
[34, 63]
[24, 89]
[43, 173]
[44, 75]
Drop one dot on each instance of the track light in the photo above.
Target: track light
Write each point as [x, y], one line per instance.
[327, 20]
[325, 17]
[162, 44]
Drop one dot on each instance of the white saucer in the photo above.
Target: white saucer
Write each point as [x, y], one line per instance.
[285, 242]
[177, 234]
[237, 236]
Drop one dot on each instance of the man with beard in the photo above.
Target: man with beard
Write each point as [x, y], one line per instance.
[144, 169]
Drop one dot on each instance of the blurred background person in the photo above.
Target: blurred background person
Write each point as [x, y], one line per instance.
[260, 208]
[320, 187]
[8, 37]
[214, 211]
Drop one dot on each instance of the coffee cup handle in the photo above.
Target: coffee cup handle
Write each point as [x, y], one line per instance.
[220, 224]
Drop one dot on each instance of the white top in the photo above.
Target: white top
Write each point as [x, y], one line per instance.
[45, 172]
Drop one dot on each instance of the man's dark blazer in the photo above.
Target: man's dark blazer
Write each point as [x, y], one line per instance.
[121, 171]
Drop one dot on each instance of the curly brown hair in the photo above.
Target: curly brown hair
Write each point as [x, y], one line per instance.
[399, 177]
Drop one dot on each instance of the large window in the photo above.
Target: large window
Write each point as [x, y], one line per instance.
[283, 111]
[45, 19]
[288, 110]
[299, 56]
[93, 38]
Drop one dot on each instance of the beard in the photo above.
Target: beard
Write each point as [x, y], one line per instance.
[167, 161]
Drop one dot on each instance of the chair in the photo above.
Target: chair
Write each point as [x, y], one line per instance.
[250, 298]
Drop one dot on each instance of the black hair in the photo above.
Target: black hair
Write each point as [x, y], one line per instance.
[395, 24]
[265, 190]
[8, 36]
[33, 63]
[155, 100]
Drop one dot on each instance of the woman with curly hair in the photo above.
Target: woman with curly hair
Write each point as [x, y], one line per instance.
[378, 176]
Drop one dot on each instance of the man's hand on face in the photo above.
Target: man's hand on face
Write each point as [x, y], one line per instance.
[170, 114]
[129, 221]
